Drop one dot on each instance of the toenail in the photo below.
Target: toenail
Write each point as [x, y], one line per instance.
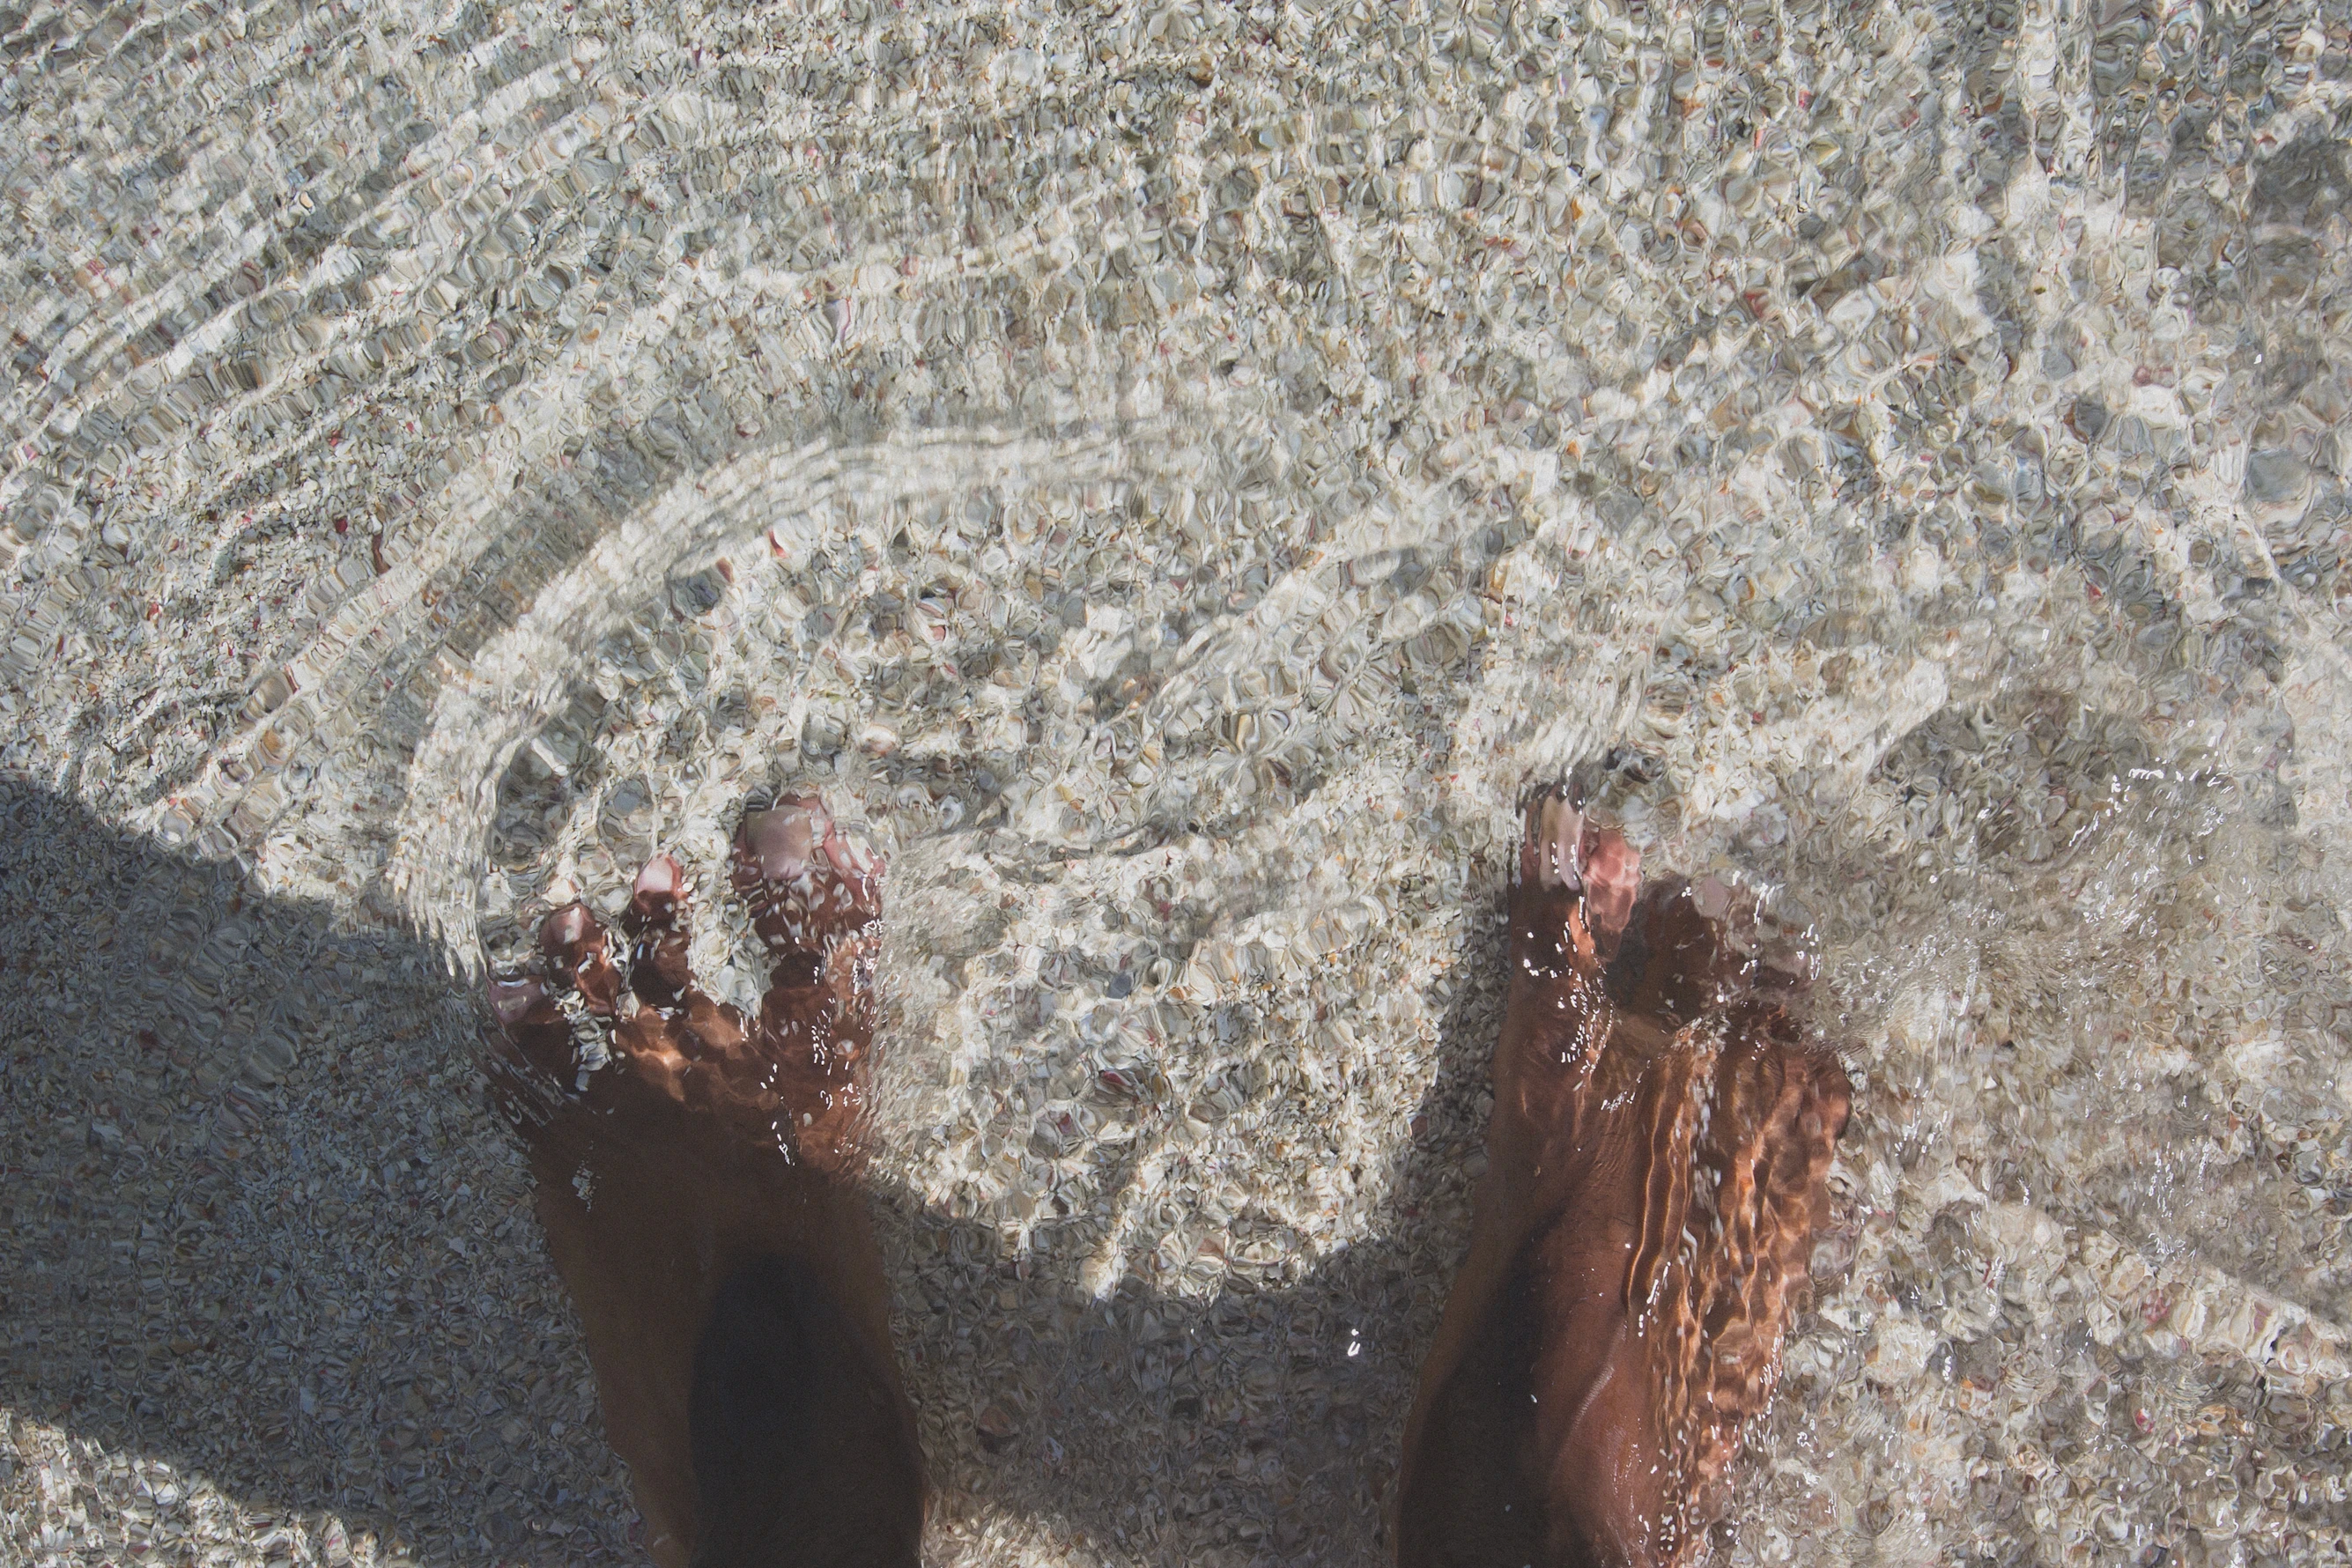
[510, 999]
[784, 839]
[563, 928]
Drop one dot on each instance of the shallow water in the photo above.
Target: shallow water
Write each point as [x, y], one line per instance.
[1174, 475]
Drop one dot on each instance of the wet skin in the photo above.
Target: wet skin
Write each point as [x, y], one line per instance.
[1657, 1165]
[1657, 1161]
[699, 1197]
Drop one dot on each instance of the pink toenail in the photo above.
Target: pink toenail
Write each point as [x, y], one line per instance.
[1713, 896]
[784, 839]
[1562, 865]
[661, 874]
[510, 999]
[1610, 860]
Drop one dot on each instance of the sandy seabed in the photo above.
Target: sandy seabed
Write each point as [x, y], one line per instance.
[1175, 474]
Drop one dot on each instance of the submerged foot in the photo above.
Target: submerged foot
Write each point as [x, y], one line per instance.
[790, 1080]
[695, 1174]
[1658, 1158]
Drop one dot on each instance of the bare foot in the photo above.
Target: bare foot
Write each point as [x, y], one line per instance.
[1657, 1161]
[696, 1185]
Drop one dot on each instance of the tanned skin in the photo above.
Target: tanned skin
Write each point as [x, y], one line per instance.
[1657, 1165]
[699, 1197]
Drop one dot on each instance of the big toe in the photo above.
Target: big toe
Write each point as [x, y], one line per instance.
[1577, 876]
[1551, 851]
[1612, 876]
[784, 841]
[806, 881]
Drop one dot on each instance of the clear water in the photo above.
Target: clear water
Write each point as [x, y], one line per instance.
[1173, 475]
